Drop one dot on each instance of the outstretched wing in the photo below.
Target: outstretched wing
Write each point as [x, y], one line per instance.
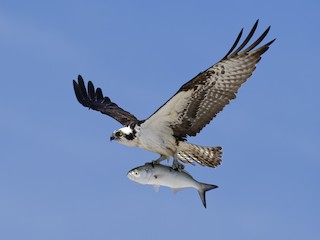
[203, 97]
[94, 99]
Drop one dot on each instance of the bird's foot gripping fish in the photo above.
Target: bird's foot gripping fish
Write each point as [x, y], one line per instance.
[162, 175]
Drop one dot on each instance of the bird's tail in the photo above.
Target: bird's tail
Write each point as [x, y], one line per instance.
[205, 156]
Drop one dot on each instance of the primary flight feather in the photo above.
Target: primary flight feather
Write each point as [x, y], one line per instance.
[187, 112]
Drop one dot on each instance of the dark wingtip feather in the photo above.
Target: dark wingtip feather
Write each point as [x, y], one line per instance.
[91, 91]
[99, 94]
[234, 44]
[78, 92]
[80, 79]
[258, 41]
[269, 43]
[247, 39]
[74, 84]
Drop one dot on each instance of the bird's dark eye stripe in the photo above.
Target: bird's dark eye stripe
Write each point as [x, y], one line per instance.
[130, 136]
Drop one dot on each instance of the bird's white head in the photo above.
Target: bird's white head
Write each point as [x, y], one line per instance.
[125, 136]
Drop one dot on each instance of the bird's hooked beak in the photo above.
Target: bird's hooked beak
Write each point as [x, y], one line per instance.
[113, 137]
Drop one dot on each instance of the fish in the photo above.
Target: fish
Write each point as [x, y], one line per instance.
[163, 175]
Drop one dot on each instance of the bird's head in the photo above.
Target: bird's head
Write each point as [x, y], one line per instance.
[125, 135]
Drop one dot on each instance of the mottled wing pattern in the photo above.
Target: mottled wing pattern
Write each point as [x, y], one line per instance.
[202, 98]
[94, 99]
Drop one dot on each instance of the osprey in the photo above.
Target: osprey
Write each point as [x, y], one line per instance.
[195, 104]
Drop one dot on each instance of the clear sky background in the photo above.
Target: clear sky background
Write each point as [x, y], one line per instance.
[61, 178]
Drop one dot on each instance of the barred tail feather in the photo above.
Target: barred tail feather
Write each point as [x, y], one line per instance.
[205, 156]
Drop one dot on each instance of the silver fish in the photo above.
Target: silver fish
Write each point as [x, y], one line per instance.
[162, 175]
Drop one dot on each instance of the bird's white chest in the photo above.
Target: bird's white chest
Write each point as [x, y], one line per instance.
[159, 140]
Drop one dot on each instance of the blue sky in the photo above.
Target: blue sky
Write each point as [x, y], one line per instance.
[61, 178]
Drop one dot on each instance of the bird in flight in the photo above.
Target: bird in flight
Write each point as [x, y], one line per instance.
[187, 112]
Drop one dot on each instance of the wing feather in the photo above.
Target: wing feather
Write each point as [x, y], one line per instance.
[94, 99]
[198, 101]
[245, 42]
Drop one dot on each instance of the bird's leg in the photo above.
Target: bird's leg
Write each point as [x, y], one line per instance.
[176, 165]
[157, 161]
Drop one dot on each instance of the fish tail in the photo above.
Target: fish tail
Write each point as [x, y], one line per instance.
[202, 192]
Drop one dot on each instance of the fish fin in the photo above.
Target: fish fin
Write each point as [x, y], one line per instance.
[175, 190]
[156, 187]
[202, 192]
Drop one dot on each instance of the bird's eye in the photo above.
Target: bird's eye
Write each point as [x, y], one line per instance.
[119, 134]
